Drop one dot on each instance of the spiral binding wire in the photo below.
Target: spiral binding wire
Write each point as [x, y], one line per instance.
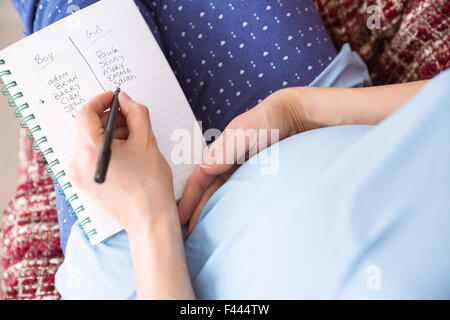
[19, 110]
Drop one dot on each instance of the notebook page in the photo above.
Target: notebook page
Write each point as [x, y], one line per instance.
[63, 66]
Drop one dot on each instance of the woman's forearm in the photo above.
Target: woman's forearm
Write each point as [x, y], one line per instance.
[159, 262]
[322, 107]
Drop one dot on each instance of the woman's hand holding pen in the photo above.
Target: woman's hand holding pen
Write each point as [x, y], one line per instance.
[138, 191]
[138, 188]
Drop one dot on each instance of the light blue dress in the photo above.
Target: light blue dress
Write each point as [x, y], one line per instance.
[351, 212]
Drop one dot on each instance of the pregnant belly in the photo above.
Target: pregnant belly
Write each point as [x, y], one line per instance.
[250, 227]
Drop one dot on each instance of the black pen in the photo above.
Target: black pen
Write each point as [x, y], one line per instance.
[105, 152]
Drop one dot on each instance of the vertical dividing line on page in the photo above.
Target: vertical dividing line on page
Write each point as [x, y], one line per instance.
[87, 63]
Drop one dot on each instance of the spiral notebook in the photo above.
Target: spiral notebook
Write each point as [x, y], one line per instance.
[49, 75]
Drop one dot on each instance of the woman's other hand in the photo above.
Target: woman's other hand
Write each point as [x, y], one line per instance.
[223, 157]
[291, 111]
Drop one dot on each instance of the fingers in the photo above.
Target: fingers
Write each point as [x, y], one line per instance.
[238, 140]
[222, 158]
[195, 190]
[137, 118]
[100, 103]
[89, 118]
[197, 183]
[121, 133]
[133, 121]
[120, 122]
[121, 129]
[216, 184]
[215, 160]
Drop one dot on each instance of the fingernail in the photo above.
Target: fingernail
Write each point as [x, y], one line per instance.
[204, 166]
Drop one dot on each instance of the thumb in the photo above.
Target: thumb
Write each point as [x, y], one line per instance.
[237, 142]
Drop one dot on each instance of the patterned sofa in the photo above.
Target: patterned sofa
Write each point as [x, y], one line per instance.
[412, 43]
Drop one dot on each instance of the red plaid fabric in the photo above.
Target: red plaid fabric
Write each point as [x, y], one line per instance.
[413, 42]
